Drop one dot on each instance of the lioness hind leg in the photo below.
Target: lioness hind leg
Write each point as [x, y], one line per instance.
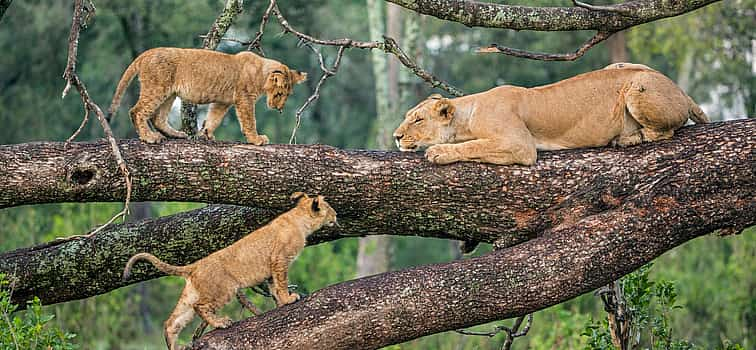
[657, 104]
[160, 120]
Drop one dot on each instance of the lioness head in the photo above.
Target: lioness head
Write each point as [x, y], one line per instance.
[317, 207]
[426, 124]
[279, 85]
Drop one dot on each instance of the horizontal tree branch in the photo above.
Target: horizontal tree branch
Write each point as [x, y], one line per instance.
[374, 193]
[491, 15]
[565, 262]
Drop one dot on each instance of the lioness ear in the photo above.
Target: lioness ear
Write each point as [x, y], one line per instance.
[296, 196]
[297, 77]
[434, 97]
[316, 204]
[445, 109]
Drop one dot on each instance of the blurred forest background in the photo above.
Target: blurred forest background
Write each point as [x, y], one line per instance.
[709, 52]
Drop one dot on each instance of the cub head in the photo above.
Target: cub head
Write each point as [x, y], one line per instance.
[317, 207]
[426, 124]
[279, 85]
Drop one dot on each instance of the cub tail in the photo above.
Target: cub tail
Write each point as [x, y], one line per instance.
[160, 265]
[697, 114]
[126, 79]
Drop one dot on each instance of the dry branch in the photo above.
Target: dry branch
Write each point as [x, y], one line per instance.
[81, 15]
[373, 192]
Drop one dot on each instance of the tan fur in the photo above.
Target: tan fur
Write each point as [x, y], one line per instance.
[624, 104]
[211, 282]
[204, 76]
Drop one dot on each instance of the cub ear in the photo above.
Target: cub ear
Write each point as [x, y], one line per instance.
[297, 77]
[316, 204]
[445, 109]
[297, 196]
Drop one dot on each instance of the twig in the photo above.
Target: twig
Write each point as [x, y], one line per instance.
[81, 14]
[512, 333]
[256, 42]
[316, 94]
[597, 38]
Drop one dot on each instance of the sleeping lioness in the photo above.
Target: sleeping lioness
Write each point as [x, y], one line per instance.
[624, 104]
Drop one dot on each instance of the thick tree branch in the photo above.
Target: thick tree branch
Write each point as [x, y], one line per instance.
[567, 261]
[374, 193]
[491, 15]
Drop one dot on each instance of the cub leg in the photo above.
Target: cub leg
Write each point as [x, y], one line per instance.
[142, 112]
[206, 309]
[245, 110]
[280, 285]
[179, 318]
[214, 118]
[160, 120]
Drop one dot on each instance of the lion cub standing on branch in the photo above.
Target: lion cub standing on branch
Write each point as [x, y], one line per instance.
[204, 76]
[624, 104]
[266, 252]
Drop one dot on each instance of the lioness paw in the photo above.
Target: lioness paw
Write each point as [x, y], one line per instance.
[153, 138]
[439, 154]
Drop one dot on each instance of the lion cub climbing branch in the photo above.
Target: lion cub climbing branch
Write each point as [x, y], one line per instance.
[203, 76]
[624, 104]
[267, 252]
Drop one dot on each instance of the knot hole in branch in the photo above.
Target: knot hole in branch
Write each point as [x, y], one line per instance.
[82, 176]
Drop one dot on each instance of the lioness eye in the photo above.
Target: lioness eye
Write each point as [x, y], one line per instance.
[417, 121]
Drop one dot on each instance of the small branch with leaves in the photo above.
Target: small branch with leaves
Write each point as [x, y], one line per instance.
[82, 13]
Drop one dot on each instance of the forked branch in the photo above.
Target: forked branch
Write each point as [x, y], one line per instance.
[542, 56]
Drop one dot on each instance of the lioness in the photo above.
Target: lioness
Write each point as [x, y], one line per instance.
[268, 251]
[625, 104]
[204, 76]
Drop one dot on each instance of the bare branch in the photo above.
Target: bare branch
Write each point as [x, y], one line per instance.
[256, 42]
[4, 4]
[597, 38]
[511, 332]
[81, 15]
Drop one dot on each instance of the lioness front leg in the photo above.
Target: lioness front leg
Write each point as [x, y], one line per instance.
[245, 108]
[484, 151]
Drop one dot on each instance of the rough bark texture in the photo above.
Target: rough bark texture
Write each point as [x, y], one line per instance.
[374, 193]
[567, 261]
[377, 192]
[484, 14]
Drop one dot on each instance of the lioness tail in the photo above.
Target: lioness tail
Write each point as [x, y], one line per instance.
[126, 79]
[697, 114]
[160, 265]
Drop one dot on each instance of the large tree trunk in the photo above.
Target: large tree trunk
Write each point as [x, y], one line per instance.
[373, 192]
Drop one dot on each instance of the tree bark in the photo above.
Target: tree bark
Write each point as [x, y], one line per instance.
[491, 15]
[565, 262]
[373, 192]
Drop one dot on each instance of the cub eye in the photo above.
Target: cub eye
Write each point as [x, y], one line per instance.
[418, 121]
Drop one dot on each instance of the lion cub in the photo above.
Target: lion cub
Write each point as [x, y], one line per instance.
[204, 76]
[267, 252]
[624, 104]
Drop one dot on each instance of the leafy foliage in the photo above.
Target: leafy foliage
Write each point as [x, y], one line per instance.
[33, 329]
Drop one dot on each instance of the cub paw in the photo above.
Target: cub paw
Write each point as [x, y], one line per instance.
[439, 154]
[258, 140]
[156, 138]
[225, 322]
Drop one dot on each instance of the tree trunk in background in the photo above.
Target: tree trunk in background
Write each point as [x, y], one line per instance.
[211, 41]
[617, 45]
[141, 211]
[373, 252]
